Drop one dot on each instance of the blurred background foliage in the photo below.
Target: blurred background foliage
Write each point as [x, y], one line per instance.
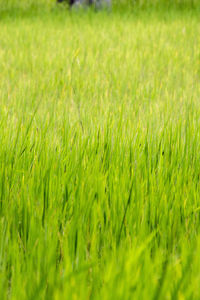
[117, 4]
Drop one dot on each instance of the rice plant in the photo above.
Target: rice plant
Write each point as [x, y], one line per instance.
[99, 154]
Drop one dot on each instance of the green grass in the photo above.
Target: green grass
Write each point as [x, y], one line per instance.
[100, 155]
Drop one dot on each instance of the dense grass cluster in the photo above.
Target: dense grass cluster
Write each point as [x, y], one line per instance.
[100, 156]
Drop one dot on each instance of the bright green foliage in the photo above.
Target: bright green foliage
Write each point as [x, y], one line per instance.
[116, 4]
[156, 3]
[100, 156]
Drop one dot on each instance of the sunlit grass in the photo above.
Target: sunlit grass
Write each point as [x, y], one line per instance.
[99, 155]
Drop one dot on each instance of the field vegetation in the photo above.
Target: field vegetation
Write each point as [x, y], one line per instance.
[99, 152]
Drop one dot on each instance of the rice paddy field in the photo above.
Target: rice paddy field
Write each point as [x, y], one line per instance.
[99, 154]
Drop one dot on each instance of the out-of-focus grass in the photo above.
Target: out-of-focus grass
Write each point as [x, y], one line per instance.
[33, 6]
[99, 156]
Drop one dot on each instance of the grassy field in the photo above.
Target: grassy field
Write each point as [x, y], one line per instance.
[100, 155]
